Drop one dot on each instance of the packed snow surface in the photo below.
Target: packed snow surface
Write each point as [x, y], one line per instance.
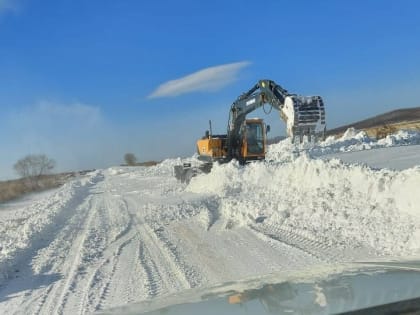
[124, 234]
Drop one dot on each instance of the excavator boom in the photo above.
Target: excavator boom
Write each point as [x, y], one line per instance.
[303, 115]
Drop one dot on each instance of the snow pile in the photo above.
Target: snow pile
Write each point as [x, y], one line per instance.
[402, 137]
[163, 168]
[352, 140]
[113, 171]
[341, 204]
[166, 167]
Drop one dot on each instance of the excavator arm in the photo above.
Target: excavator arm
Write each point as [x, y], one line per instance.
[303, 115]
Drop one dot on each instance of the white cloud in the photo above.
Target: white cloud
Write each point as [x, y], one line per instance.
[8, 5]
[208, 79]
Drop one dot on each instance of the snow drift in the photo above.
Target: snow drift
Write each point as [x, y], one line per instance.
[328, 200]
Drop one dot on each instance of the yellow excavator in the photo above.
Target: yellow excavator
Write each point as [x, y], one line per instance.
[245, 139]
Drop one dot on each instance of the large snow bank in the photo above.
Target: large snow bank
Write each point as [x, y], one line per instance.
[346, 204]
[329, 200]
[291, 185]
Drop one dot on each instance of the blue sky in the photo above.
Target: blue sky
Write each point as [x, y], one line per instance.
[87, 81]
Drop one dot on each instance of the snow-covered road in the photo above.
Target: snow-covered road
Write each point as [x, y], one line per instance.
[123, 235]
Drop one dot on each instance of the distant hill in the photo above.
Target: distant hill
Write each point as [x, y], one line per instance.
[380, 125]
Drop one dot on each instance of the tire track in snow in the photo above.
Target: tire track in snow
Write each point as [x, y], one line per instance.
[85, 248]
[317, 249]
[122, 275]
[150, 269]
[134, 288]
[95, 276]
[127, 229]
[77, 251]
[101, 280]
[41, 301]
[174, 273]
[191, 275]
[154, 280]
[127, 273]
[101, 277]
[114, 262]
[54, 296]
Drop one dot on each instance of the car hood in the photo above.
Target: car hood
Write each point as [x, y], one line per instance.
[364, 288]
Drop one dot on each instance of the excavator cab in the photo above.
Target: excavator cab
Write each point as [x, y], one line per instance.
[253, 140]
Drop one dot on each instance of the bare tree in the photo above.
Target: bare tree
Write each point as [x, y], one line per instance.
[33, 166]
[130, 159]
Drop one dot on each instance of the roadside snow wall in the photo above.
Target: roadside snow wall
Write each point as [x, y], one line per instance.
[327, 199]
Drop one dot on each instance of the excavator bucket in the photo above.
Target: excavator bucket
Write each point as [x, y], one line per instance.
[304, 116]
